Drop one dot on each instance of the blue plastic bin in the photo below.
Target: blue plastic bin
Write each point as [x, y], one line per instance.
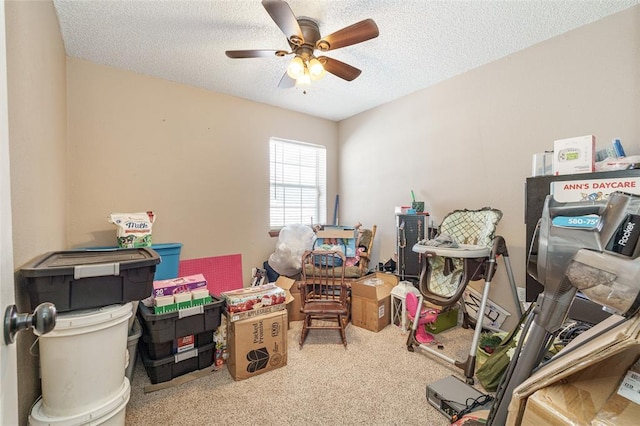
[170, 260]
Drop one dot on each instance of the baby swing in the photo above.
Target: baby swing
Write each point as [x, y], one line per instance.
[465, 249]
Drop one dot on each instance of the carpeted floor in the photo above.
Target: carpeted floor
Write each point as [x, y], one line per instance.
[375, 381]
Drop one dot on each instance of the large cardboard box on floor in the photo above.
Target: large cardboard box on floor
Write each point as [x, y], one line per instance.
[582, 387]
[586, 395]
[371, 301]
[257, 345]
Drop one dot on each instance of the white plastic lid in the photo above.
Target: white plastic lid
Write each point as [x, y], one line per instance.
[99, 415]
[90, 318]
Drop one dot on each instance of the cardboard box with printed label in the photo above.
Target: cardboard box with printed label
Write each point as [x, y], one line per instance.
[344, 237]
[583, 387]
[585, 396]
[257, 345]
[371, 301]
[253, 301]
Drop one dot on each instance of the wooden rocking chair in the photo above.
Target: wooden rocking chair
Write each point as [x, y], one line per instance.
[323, 292]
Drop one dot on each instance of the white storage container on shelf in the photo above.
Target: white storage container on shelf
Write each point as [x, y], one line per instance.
[83, 360]
[111, 413]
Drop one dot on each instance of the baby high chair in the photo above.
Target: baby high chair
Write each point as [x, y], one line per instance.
[465, 249]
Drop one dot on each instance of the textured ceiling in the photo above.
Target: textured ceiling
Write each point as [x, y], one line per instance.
[421, 43]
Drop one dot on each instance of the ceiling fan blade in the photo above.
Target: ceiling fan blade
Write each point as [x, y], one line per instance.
[339, 69]
[237, 54]
[286, 82]
[353, 34]
[285, 19]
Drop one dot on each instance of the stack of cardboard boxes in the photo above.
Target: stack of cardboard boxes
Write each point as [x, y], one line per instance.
[258, 319]
[257, 328]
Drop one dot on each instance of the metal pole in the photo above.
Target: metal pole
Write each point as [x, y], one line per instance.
[512, 282]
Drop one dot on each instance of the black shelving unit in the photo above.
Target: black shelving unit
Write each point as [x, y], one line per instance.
[410, 228]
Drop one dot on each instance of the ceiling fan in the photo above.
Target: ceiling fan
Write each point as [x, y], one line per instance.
[303, 36]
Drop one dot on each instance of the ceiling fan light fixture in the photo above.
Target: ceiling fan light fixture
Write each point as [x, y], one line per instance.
[304, 79]
[304, 38]
[316, 70]
[296, 68]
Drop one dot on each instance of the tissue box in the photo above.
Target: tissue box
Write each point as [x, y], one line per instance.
[574, 155]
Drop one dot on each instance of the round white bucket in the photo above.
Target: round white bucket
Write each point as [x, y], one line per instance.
[82, 360]
[112, 413]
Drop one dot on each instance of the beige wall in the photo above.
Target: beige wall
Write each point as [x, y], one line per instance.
[198, 159]
[37, 136]
[468, 142]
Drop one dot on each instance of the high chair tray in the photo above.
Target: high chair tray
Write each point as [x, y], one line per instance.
[462, 251]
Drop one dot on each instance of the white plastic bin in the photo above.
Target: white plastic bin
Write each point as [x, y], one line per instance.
[132, 348]
[83, 360]
[111, 413]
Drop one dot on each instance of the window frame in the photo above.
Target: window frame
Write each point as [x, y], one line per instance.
[278, 182]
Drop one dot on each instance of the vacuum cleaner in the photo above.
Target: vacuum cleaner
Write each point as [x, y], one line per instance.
[586, 246]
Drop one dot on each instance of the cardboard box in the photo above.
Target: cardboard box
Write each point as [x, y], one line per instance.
[286, 284]
[623, 406]
[579, 398]
[336, 232]
[257, 345]
[290, 286]
[253, 301]
[371, 301]
[293, 308]
[574, 155]
[342, 236]
[578, 385]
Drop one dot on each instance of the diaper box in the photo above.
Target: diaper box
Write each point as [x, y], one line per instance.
[179, 285]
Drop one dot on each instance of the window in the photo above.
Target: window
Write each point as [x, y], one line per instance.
[297, 184]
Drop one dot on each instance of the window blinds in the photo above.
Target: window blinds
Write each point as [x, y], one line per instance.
[297, 183]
